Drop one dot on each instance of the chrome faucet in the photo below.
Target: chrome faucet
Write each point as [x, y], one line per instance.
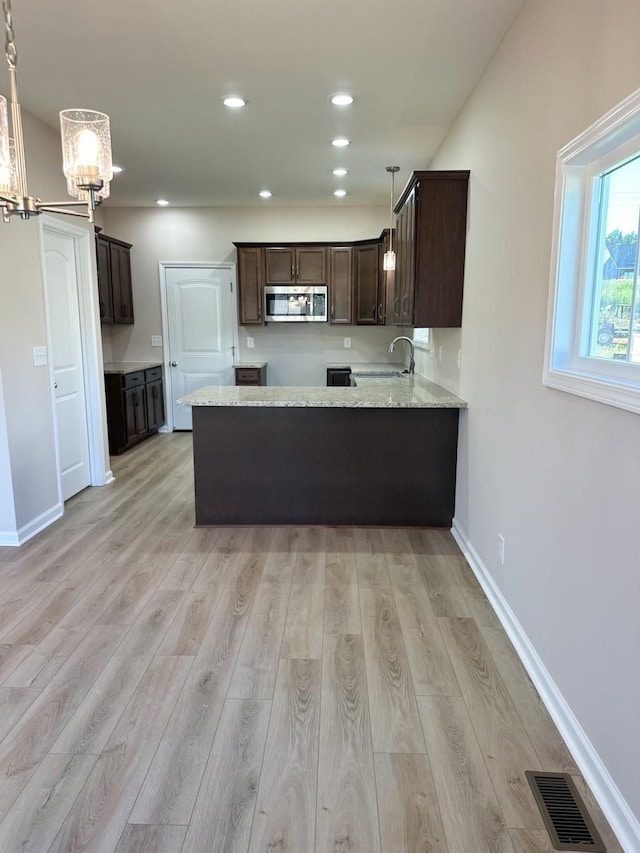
[412, 361]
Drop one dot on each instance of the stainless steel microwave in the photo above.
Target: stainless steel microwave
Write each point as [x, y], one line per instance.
[296, 303]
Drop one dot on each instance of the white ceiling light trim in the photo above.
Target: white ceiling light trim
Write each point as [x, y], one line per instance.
[265, 194]
[340, 193]
[341, 142]
[86, 151]
[234, 101]
[340, 173]
[341, 99]
[162, 202]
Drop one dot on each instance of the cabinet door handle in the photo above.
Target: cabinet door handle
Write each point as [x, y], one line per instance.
[380, 315]
[293, 272]
[333, 312]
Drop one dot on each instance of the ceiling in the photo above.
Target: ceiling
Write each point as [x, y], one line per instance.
[159, 69]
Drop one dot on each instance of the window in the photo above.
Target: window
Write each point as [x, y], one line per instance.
[593, 334]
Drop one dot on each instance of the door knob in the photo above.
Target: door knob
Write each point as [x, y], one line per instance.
[174, 364]
[55, 384]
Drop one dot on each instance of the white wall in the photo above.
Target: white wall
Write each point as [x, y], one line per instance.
[25, 388]
[557, 475]
[296, 355]
[27, 445]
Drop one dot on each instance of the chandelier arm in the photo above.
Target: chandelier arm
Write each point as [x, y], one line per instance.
[47, 208]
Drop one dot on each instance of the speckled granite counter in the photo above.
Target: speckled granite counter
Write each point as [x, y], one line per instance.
[129, 366]
[390, 392]
[251, 365]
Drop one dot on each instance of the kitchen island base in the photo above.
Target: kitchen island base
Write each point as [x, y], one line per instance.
[336, 466]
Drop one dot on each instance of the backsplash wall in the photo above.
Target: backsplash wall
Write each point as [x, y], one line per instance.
[297, 354]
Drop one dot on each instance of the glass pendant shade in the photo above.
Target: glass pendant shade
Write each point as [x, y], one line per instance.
[389, 261]
[7, 153]
[4, 131]
[8, 183]
[86, 149]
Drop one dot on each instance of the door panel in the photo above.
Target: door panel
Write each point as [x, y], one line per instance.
[65, 354]
[311, 266]
[201, 327]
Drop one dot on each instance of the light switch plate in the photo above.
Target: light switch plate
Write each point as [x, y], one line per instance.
[347, 343]
[250, 343]
[156, 340]
[39, 356]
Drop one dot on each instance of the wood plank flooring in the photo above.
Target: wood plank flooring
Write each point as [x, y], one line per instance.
[256, 690]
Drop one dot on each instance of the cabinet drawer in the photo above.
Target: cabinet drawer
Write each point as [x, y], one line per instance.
[152, 374]
[133, 379]
[248, 375]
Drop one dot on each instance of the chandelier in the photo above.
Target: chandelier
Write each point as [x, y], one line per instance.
[389, 260]
[86, 152]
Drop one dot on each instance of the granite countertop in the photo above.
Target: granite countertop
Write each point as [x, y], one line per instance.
[256, 365]
[387, 391]
[129, 366]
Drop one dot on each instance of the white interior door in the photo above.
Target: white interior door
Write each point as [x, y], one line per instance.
[65, 355]
[201, 331]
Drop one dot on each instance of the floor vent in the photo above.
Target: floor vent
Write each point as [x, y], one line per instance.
[564, 814]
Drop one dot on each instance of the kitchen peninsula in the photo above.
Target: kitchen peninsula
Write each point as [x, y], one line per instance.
[380, 453]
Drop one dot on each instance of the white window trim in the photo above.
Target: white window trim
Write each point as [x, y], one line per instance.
[613, 138]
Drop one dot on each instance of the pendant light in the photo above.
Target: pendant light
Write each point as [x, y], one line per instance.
[389, 262]
[86, 151]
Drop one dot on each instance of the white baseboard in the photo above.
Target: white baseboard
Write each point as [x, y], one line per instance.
[616, 809]
[164, 429]
[19, 537]
[108, 477]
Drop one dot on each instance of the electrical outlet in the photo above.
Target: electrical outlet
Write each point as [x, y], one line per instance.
[440, 353]
[39, 356]
[347, 343]
[250, 343]
[156, 340]
[501, 548]
[459, 358]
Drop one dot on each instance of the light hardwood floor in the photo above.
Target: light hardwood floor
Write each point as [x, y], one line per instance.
[273, 690]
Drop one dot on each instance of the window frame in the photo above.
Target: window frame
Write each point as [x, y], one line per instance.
[570, 320]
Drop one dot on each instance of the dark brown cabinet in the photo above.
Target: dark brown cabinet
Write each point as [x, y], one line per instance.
[251, 375]
[115, 291]
[369, 284]
[135, 406]
[293, 265]
[341, 284]
[431, 236]
[250, 282]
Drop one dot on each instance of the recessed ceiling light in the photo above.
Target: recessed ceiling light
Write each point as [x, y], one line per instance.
[233, 101]
[341, 99]
[340, 173]
[341, 142]
[340, 193]
[265, 194]
[162, 202]
[117, 169]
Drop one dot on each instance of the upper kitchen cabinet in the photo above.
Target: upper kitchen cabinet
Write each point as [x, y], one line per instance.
[296, 265]
[250, 282]
[115, 291]
[341, 284]
[369, 291]
[431, 234]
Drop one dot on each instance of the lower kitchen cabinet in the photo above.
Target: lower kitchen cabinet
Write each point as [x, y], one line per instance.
[135, 406]
[254, 374]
